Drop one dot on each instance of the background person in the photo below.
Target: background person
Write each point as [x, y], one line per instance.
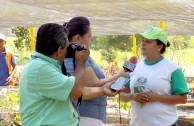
[93, 111]
[156, 85]
[7, 64]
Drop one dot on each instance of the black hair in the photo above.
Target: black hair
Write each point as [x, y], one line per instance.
[77, 25]
[50, 37]
[163, 50]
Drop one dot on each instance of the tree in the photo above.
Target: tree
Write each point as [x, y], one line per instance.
[108, 45]
[23, 38]
[178, 48]
[22, 43]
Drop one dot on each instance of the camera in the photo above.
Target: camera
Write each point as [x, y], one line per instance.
[71, 50]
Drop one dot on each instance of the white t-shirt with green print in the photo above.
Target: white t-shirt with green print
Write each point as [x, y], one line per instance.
[163, 77]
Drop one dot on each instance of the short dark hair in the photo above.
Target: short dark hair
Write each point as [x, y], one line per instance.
[163, 50]
[50, 37]
[77, 25]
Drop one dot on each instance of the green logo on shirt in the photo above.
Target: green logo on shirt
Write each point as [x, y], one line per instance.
[140, 87]
[142, 80]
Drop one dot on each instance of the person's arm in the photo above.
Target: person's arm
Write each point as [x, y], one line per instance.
[93, 81]
[172, 100]
[14, 67]
[94, 92]
[126, 95]
[175, 99]
[14, 70]
[79, 73]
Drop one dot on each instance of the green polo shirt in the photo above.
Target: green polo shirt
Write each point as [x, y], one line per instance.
[44, 94]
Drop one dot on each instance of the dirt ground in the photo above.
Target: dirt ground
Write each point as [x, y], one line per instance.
[113, 116]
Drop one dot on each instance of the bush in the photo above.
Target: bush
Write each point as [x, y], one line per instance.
[9, 106]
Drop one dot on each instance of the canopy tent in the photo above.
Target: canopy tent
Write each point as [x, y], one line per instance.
[107, 17]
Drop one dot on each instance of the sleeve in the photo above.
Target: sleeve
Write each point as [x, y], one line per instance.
[128, 83]
[178, 83]
[51, 83]
[13, 61]
[69, 65]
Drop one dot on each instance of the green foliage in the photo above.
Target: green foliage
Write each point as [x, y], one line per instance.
[189, 57]
[109, 45]
[9, 105]
[179, 42]
[23, 37]
[22, 43]
[180, 50]
[97, 56]
[124, 105]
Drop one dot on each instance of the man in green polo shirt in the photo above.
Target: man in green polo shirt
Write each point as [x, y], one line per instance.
[44, 91]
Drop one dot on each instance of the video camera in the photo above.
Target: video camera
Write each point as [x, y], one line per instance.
[71, 50]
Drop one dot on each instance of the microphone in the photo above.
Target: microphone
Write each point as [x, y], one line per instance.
[130, 65]
[121, 81]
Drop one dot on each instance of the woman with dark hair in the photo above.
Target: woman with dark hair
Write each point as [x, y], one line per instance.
[156, 85]
[93, 111]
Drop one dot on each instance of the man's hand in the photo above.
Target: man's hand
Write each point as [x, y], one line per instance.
[108, 91]
[82, 55]
[8, 79]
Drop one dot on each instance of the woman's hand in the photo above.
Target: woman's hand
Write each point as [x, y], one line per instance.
[122, 73]
[140, 97]
[151, 97]
[108, 91]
